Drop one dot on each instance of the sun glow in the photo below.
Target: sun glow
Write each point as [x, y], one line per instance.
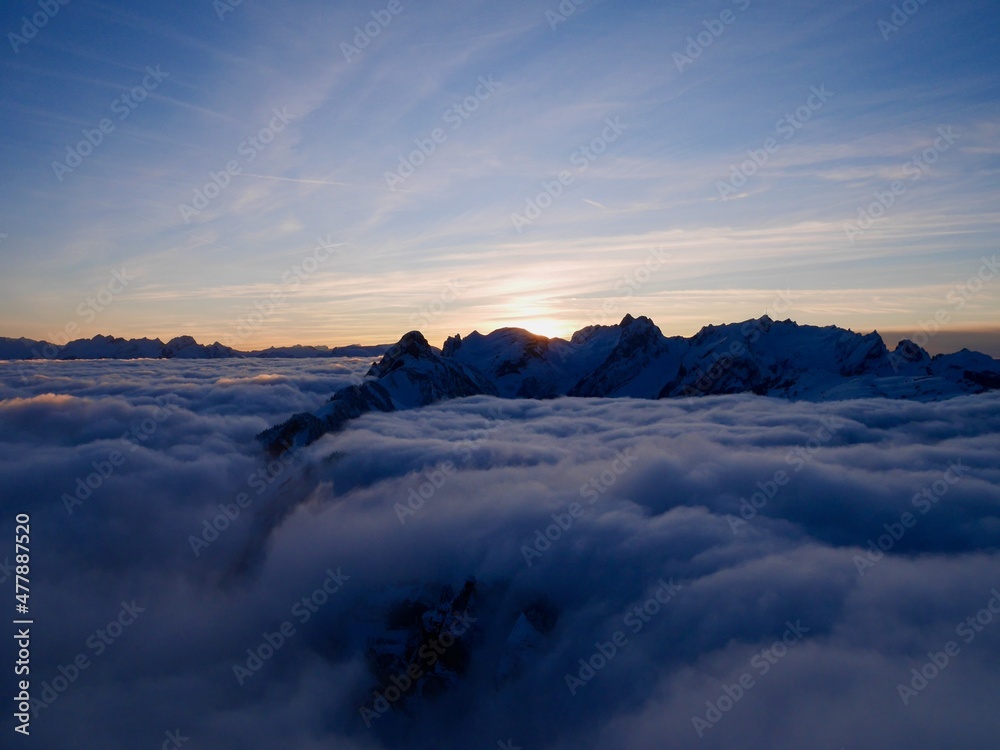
[548, 327]
[534, 316]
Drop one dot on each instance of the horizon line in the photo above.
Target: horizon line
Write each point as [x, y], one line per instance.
[888, 335]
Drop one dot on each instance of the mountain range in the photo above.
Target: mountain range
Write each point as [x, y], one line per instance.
[634, 359]
[180, 347]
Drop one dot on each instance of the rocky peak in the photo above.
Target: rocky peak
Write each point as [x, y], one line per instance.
[412, 346]
[451, 345]
[634, 359]
[181, 342]
[907, 351]
[859, 353]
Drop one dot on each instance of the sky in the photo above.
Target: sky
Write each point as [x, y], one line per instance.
[860, 536]
[304, 172]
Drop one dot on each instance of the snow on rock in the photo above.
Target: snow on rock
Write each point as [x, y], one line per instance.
[634, 359]
[410, 374]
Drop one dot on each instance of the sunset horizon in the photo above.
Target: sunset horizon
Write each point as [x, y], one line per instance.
[468, 375]
[928, 334]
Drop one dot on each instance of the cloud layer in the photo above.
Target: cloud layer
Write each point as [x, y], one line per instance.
[806, 557]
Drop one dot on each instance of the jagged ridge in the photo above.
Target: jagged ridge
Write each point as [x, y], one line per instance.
[634, 359]
[180, 347]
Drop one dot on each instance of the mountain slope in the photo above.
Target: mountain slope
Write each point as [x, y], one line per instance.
[410, 374]
[634, 359]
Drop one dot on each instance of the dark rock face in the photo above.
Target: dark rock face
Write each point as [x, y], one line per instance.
[640, 344]
[634, 359]
[346, 404]
[986, 380]
[433, 635]
[908, 353]
[428, 641]
[409, 375]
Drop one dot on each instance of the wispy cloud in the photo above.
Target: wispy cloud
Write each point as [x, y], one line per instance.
[352, 121]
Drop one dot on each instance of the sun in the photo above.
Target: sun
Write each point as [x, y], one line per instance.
[537, 316]
[548, 327]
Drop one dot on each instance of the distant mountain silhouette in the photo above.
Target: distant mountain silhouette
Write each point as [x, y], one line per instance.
[181, 347]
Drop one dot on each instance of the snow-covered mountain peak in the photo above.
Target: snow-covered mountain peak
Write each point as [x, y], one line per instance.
[911, 351]
[634, 359]
[407, 351]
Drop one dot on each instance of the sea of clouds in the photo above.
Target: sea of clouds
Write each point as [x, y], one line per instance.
[726, 572]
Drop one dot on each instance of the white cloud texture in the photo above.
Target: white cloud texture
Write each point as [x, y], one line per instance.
[806, 557]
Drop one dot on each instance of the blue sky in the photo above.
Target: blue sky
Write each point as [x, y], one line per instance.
[647, 218]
